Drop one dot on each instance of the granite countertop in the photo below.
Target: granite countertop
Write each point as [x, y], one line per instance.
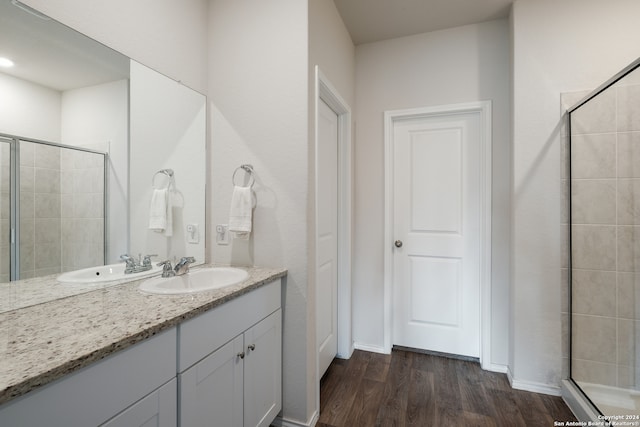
[43, 342]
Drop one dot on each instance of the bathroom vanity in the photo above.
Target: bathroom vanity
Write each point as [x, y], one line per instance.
[119, 357]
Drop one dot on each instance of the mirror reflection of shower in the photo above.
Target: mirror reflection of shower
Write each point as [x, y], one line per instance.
[52, 207]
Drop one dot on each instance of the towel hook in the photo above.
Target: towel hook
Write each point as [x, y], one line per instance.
[167, 172]
[248, 169]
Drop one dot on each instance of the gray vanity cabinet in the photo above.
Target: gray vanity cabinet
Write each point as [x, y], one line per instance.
[158, 409]
[236, 378]
[104, 391]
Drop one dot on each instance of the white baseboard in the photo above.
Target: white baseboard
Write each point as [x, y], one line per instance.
[533, 386]
[370, 348]
[282, 422]
[493, 367]
[346, 356]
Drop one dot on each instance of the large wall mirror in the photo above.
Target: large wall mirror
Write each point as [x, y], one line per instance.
[87, 139]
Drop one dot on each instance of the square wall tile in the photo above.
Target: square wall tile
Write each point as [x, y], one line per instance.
[629, 201]
[628, 248]
[27, 153]
[592, 372]
[629, 155]
[594, 247]
[594, 338]
[593, 201]
[47, 156]
[594, 292]
[628, 335]
[628, 296]
[47, 180]
[47, 205]
[628, 108]
[594, 156]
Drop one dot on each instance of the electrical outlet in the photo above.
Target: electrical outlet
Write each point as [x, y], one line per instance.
[222, 234]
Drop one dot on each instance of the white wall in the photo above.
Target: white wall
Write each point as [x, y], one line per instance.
[29, 110]
[557, 47]
[462, 64]
[258, 102]
[331, 49]
[97, 117]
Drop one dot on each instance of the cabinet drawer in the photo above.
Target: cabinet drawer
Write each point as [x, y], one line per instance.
[202, 335]
[94, 394]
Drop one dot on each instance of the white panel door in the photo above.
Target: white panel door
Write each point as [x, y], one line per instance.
[436, 261]
[327, 237]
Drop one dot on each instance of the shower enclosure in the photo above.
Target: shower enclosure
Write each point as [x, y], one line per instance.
[603, 183]
[52, 208]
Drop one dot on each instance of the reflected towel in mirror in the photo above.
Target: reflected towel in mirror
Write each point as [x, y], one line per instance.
[240, 212]
[160, 215]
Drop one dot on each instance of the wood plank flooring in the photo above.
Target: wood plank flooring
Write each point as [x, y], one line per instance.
[413, 389]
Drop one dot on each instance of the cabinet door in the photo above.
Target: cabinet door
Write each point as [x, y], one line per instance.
[158, 409]
[211, 390]
[263, 371]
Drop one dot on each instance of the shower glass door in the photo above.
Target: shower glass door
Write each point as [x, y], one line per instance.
[604, 189]
[52, 208]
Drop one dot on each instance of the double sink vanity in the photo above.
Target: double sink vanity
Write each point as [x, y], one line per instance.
[152, 351]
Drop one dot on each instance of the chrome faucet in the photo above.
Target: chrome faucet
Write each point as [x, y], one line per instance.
[133, 266]
[182, 267]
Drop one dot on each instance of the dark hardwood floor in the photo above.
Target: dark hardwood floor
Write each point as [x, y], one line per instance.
[413, 389]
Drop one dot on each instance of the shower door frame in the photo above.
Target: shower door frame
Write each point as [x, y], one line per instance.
[14, 191]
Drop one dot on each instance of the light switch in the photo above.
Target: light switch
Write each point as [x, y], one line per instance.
[222, 234]
[193, 233]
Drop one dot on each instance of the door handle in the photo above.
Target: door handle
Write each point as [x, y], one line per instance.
[398, 243]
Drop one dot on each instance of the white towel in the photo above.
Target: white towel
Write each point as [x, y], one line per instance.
[240, 212]
[160, 215]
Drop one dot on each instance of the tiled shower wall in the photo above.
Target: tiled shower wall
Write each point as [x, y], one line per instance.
[82, 209]
[61, 209]
[605, 226]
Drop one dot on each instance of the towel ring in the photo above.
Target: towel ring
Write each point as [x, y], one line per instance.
[167, 172]
[248, 169]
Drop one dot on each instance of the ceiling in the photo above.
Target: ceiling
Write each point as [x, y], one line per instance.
[374, 20]
[52, 55]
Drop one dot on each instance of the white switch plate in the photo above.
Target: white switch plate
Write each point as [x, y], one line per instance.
[193, 233]
[222, 234]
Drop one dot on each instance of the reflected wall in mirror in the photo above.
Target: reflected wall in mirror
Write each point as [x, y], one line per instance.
[68, 91]
[168, 126]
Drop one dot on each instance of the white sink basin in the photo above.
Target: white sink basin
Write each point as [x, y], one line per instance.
[104, 273]
[197, 280]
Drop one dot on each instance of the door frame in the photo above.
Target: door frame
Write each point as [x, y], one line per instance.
[483, 109]
[326, 92]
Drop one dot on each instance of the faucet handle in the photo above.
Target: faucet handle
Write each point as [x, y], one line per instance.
[167, 270]
[187, 260]
[128, 260]
[147, 260]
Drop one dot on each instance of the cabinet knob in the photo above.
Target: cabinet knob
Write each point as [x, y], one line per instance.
[252, 347]
[398, 243]
[241, 355]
